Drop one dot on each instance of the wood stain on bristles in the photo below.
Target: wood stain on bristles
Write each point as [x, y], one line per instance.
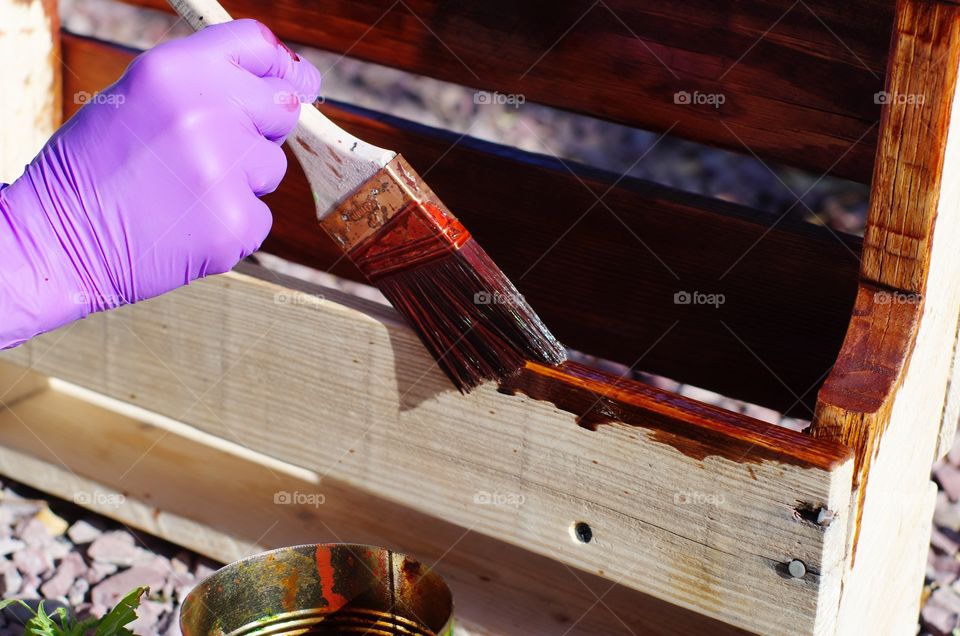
[466, 311]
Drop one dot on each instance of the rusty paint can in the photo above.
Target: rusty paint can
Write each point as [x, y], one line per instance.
[320, 589]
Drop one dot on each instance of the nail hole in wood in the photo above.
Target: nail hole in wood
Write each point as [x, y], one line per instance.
[582, 532]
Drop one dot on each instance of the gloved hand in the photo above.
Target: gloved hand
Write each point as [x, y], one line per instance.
[154, 182]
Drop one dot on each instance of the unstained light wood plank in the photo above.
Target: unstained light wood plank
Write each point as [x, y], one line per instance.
[673, 490]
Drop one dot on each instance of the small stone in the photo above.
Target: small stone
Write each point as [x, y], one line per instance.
[33, 532]
[29, 588]
[54, 524]
[945, 514]
[57, 586]
[173, 626]
[945, 540]
[205, 567]
[33, 561]
[794, 424]
[83, 532]
[9, 546]
[99, 571]
[10, 579]
[58, 549]
[761, 413]
[661, 382]
[953, 456]
[160, 564]
[148, 615]
[181, 562]
[97, 610]
[946, 597]
[112, 589]
[177, 581]
[182, 591]
[940, 621]
[942, 568]
[14, 507]
[117, 547]
[948, 476]
[78, 592]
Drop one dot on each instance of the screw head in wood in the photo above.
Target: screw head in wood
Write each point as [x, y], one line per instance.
[797, 569]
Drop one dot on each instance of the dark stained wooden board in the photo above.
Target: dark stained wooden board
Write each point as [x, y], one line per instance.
[798, 79]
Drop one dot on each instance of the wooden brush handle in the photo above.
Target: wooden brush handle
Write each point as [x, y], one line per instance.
[335, 162]
[200, 13]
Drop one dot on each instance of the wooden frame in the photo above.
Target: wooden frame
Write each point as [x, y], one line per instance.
[701, 509]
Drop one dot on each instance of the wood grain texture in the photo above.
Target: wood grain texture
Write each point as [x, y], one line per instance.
[886, 395]
[17, 383]
[31, 107]
[854, 405]
[604, 276]
[331, 384]
[89, 443]
[624, 60]
[908, 175]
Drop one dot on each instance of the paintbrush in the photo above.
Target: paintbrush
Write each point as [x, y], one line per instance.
[389, 222]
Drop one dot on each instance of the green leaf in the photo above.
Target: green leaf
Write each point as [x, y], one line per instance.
[84, 626]
[41, 624]
[112, 624]
[123, 614]
[4, 604]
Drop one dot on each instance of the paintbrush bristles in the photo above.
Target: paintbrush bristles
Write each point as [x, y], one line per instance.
[465, 310]
[470, 316]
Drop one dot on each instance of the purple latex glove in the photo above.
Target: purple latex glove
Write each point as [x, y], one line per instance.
[154, 183]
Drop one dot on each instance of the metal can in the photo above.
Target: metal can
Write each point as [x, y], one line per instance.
[320, 589]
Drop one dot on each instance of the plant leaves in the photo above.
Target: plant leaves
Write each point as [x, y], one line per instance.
[123, 614]
[41, 624]
[112, 624]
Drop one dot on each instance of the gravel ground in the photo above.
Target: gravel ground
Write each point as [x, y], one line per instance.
[86, 562]
[941, 611]
[59, 552]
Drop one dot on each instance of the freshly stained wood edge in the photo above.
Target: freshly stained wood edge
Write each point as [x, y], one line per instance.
[695, 429]
[793, 278]
[767, 59]
[31, 106]
[898, 433]
[908, 173]
[332, 384]
[90, 440]
[854, 405]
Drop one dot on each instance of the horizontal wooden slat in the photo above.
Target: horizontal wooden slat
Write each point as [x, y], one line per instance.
[798, 78]
[687, 502]
[604, 279]
[97, 452]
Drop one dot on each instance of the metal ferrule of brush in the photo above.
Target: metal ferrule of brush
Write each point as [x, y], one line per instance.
[394, 221]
